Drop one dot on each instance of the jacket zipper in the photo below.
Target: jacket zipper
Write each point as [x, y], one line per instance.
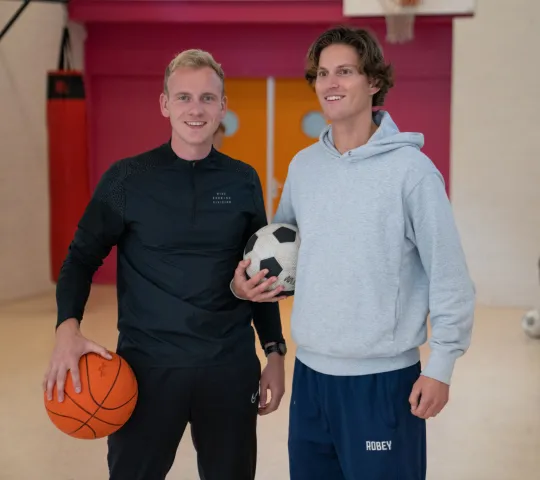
[194, 193]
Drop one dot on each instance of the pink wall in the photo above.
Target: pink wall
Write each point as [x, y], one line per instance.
[212, 11]
[125, 64]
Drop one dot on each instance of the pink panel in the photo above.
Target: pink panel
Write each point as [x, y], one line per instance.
[125, 65]
[208, 11]
[423, 105]
[277, 50]
[213, 11]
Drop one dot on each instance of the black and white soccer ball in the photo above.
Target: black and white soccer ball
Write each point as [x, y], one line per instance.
[531, 323]
[275, 247]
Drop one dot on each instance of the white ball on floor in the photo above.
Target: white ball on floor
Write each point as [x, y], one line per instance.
[275, 247]
[531, 323]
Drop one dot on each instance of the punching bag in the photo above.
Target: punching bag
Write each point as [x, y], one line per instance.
[69, 186]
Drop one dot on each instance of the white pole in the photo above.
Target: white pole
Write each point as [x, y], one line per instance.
[270, 119]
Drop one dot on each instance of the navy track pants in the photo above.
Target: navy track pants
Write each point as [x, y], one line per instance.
[355, 427]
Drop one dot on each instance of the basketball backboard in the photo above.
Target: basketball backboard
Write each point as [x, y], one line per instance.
[400, 15]
[382, 8]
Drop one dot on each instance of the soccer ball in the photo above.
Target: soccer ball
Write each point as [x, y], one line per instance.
[531, 323]
[275, 247]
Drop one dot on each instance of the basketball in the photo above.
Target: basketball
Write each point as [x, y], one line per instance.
[106, 401]
[275, 247]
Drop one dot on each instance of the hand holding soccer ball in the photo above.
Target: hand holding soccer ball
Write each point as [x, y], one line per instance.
[268, 270]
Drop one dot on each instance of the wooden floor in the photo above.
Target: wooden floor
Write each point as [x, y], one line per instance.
[489, 431]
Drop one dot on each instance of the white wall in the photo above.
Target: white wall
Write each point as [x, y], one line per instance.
[29, 49]
[496, 149]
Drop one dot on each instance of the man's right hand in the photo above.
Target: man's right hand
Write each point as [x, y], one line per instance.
[70, 346]
[256, 289]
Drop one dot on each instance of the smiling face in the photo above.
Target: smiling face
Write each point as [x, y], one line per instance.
[342, 90]
[195, 105]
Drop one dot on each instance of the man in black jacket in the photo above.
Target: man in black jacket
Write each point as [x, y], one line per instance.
[180, 216]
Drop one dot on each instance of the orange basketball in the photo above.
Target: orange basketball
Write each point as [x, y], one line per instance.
[106, 401]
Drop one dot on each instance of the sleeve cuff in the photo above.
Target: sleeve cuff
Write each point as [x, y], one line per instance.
[64, 315]
[440, 367]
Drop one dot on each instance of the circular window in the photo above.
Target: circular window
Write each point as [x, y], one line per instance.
[231, 123]
[313, 124]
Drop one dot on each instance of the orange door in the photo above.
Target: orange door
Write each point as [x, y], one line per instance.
[297, 113]
[245, 135]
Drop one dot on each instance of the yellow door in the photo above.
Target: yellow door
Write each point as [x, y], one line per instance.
[298, 121]
[245, 123]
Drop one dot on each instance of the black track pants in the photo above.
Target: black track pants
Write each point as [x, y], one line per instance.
[220, 402]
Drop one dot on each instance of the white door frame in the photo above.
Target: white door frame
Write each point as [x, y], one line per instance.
[270, 134]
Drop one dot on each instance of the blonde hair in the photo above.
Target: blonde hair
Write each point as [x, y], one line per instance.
[193, 58]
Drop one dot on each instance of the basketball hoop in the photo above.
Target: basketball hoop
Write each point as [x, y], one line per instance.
[400, 16]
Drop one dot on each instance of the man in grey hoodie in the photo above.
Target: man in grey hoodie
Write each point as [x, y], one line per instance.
[379, 252]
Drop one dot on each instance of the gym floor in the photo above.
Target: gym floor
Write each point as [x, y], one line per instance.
[490, 430]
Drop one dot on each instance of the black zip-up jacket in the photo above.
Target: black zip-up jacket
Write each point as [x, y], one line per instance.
[180, 228]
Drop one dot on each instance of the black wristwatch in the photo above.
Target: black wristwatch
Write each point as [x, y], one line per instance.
[279, 347]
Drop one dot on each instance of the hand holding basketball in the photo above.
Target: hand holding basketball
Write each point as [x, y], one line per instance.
[70, 346]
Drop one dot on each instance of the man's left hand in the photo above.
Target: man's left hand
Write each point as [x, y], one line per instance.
[273, 379]
[428, 397]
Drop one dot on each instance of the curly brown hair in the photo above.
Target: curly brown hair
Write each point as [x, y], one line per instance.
[370, 56]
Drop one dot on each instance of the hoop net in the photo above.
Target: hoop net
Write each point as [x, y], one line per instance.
[400, 16]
